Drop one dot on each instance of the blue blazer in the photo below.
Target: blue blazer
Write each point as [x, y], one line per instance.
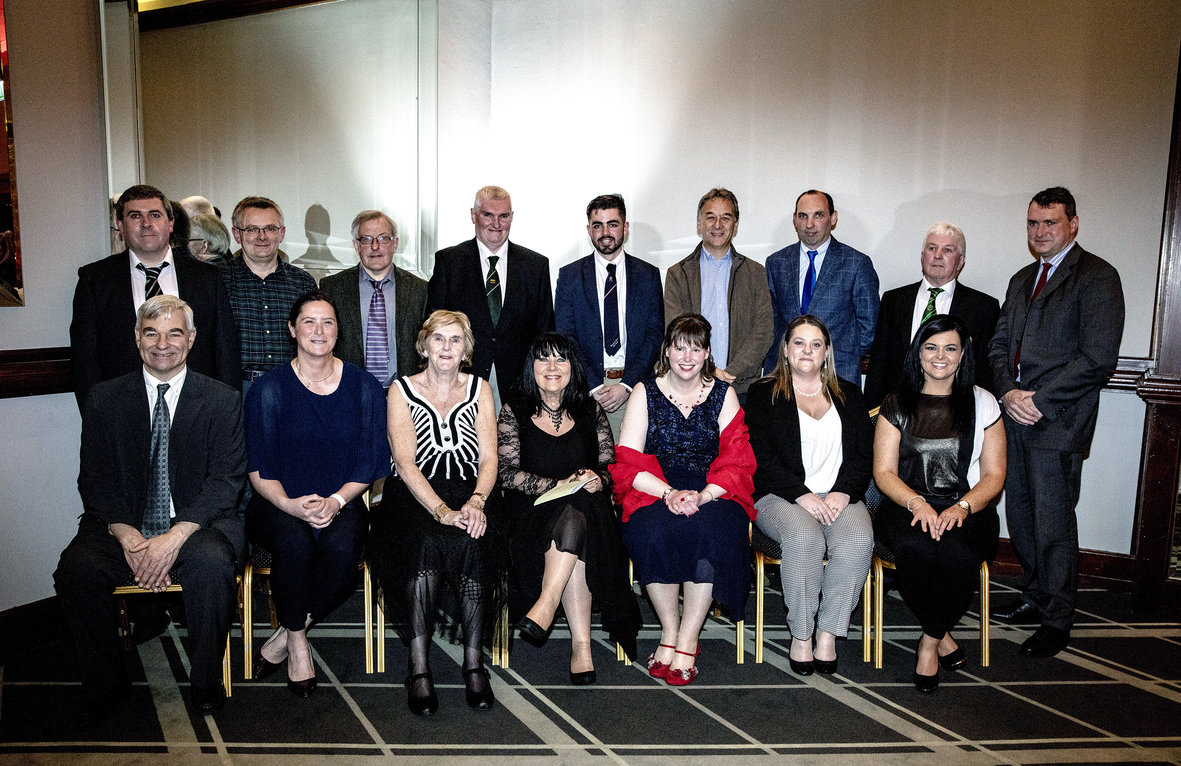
[576, 312]
[845, 299]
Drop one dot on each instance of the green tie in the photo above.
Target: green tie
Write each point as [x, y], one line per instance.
[929, 311]
[492, 288]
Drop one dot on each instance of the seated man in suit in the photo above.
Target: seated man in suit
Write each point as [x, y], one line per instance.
[615, 315]
[939, 292]
[503, 288]
[110, 290]
[727, 288]
[163, 462]
[829, 280]
[380, 339]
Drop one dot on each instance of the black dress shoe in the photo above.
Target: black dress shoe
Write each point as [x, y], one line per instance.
[802, 667]
[478, 699]
[825, 667]
[426, 702]
[208, 700]
[302, 688]
[585, 678]
[1019, 611]
[264, 667]
[93, 712]
[1046, 641]
[531, 630]
[926, 683]
[953, 661]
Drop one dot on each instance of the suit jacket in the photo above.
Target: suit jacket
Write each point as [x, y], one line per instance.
[750, 310]
[102, 332]
[892, 338]
[409, 314]
[206, 453]
[576, 311]
[527, 308]
[1069, 340]
[845, 298]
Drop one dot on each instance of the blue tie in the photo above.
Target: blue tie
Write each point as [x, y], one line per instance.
[156, 511]
[809, 282]
[611, 340]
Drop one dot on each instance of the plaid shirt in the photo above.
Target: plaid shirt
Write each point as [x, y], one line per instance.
[260, 308]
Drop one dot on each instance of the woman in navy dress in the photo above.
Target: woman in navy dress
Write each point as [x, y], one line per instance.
[683, 475]
[315, 443]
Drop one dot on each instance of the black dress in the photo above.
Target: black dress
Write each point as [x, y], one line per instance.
[531, 462]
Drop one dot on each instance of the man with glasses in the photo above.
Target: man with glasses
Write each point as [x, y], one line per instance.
[262, 288]
[379, 306]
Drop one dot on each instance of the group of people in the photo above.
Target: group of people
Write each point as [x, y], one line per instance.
[555, 439]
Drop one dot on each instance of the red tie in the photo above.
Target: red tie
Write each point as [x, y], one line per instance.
[1041, 282]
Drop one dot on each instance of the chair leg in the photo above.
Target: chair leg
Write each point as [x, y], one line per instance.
[380, 630]
[738, 641]
[984, 607]
[866, 617]
[504, 637]
[760, 560]
[248, 619]
[226, 675]
[367, 580]
[878, 608]
[124, 624]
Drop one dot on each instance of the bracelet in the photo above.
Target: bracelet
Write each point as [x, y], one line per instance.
[335, 496]
[667, 492]
[908, 502]
[481, 495]
[711, 497]
[440, 511]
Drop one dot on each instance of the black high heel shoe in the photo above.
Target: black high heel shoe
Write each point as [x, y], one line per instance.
[302, 688]
[953, 660]
[421, 704]
[923, 683]
[478, 700]
[531, 631]
[264, 667]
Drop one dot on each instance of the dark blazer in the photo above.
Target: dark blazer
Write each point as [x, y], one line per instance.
[102, 332]
[206, 455]
[775, 439]
[749, 303]
[527, 309]
[892, 338]
[1069, 340]
[409, 310]
[845, 298]
[576, 311]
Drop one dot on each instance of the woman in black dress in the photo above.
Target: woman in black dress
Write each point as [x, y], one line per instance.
[566, 552]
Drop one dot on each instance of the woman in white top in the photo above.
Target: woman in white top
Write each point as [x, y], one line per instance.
[813, 442]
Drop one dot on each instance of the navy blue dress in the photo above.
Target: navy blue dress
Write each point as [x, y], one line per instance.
[712, 545]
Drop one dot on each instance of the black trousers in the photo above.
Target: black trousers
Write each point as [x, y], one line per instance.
[93, 565]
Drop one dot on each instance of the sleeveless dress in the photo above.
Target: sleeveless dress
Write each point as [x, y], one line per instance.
[712, 545]
[410, 547]
[533, 461]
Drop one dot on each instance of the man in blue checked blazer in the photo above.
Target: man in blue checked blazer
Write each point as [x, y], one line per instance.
[827, 279]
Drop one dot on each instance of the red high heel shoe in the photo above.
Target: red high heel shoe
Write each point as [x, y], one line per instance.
[678, 677]
[658, 669]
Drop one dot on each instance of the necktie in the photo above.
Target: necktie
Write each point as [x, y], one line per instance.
[156, 520]
[809, 282]
[929, 311]
[377, 345]
[1041, 282]
[492, 288]
[152, 276]
[611, 312]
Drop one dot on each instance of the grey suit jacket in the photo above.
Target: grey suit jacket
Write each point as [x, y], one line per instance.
[750, 310]
[409, 314]
[1069, 339]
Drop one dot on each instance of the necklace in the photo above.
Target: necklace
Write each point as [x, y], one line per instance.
[299, 372]
[805, 393]
[687, 405]
[555, 416]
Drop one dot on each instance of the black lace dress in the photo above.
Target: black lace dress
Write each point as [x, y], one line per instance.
[531, 462]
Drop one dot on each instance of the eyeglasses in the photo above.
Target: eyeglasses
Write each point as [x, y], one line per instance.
[381, 239]
[254, 231]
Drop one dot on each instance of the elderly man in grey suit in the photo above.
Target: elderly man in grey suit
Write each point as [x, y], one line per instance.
[827, 279]
[727, 288]
[1056, 343]
[380, 307]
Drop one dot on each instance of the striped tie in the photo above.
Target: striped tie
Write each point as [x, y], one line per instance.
[492, 288]
[930, 311]
[152, 279]
[377, 344]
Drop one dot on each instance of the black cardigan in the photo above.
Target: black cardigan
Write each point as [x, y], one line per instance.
[775, 439]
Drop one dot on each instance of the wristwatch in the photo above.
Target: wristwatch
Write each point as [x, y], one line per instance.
[966, 506]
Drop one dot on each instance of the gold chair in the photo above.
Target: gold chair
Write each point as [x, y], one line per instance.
[500, 631]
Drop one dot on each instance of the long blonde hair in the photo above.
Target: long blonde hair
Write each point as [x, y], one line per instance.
[830, 384]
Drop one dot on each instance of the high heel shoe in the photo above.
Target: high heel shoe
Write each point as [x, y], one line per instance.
[302, 688]
[825, 667]
[802, 667]
[658, 669]
[678, 677]
[264, 667]
[585, 678]
[926, 683]
[478, 700]
[953, 660]
[421, 704]
[531, 631]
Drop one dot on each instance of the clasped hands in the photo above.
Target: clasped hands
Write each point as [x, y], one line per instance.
[824, 509]
[686, 502]
[151, 559]
[1020, 407]
[469, 517]
[317, 511]
[594, 485]
[934, 523]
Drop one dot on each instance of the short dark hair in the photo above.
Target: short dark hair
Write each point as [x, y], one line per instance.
[719, 193]
[1056, 195]
[309, 297]
[689, 328]
[138, 192]
[258, 203]
[963, 399]
[832, 208]
[574, 398]
[607, 202]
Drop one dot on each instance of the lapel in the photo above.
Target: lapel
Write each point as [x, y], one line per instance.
[633, 310]
[475, 286]
[590, 288]
[119, 280]
[793, 276]
[830, 271]
[693, 274]
[188, 407]
[514, 282]
[350, 304]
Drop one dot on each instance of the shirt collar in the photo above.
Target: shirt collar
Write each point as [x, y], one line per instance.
[135, 259]
[486, 253]
[177, 382]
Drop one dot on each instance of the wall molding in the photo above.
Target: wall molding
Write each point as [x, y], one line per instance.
[35, 372]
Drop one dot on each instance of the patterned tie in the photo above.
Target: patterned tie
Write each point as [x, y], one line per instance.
[611, 312]
[809, 282]
[152, 277]
[156, 520]
[1041, 282]
[492, 288]
[929, 311]
[377, 344]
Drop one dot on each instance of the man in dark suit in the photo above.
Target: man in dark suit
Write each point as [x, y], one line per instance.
[381, 338]
[110, 291]
[827, 279]
[619, 346]
[903, 309]
[162, 464]
[1056, 343]
[503, 288]
[727, 288]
